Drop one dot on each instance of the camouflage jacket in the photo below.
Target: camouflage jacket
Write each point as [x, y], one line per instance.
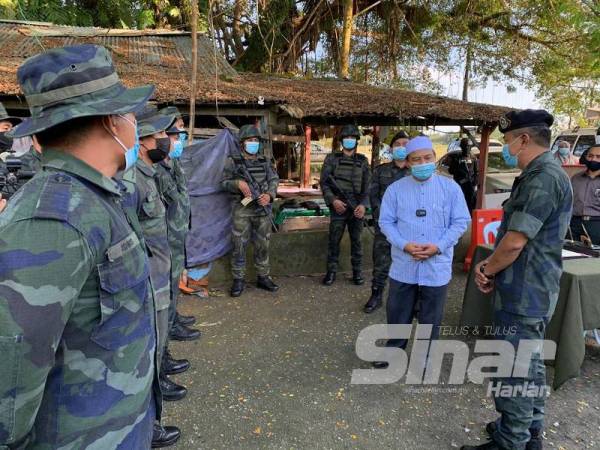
[540, 207]
[266, 179]
[173, 188]
[151, 213]
[383, 176]
[76, 323]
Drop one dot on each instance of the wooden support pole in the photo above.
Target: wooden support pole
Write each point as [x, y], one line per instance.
[375, 147]
[288, 158]
[194, 69]
[483, 162]
[305, 182]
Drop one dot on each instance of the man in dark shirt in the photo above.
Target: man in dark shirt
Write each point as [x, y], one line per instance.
[585, 224]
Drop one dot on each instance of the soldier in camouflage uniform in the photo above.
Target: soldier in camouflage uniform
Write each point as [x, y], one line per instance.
[151, 212]
[383, 176]
[173, 186]
[252, 182]
[6, 124]
[525, 271]
[348, 170]
[76, 315]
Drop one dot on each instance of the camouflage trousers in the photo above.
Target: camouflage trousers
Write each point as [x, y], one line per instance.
[519, 413]
[382, 258]
[245, 229]
[162, 331]
[336, 232]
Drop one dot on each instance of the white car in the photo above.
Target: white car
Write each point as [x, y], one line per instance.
[580, 139]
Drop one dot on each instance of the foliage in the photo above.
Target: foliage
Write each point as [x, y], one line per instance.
[552, 46]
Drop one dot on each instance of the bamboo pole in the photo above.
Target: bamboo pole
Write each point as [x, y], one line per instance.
[194, 70]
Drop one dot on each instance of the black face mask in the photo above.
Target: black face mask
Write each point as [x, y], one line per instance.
[163, 146]
[5, 142]
[592, 166]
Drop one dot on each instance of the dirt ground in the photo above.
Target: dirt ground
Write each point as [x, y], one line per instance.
[272, 371]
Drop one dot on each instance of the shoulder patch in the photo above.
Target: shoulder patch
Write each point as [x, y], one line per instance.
[55, 197]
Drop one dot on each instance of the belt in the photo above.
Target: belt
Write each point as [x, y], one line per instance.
[588, 218]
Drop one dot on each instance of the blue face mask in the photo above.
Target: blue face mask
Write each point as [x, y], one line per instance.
[399, 153]
[349, 143]
[563, 151]
[177, 150]
[183, 137]
[131, 154]
[251, 147]
[510, 160]
[423, 172]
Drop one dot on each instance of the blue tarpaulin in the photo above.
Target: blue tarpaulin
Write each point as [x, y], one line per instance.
[210, 235]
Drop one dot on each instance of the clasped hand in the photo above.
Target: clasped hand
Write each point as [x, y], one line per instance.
[421, 252]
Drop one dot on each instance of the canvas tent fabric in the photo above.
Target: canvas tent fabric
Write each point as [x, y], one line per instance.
[209, 237]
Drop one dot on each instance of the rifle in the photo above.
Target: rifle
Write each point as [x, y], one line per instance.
[13, 176]
[255, 190]
[345, 198]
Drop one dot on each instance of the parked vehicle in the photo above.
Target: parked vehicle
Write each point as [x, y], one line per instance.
[580, 139]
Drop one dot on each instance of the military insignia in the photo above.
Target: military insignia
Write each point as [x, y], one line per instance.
[504, 122]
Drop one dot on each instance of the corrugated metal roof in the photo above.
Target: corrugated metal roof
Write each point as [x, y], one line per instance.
[170, 49]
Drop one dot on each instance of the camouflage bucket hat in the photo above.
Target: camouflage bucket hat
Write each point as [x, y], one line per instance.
[69, 82]
[172, 111]
[153, 125]
[151, 121]
[5, 117]
[175, 130]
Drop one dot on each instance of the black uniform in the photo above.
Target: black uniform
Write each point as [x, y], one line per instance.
[465, 170]
[351, 174]
[383, 176]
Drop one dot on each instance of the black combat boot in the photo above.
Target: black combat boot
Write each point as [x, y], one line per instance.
[535, 443]
[329, 278]
[266, 283]
[237, 287]
[180, 332]
[375, 300]
[172, 366]
[164, 436]
[171, 392]
[357, 278]
[185, 320]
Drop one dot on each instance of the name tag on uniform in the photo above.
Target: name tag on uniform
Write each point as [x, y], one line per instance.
[421, 212]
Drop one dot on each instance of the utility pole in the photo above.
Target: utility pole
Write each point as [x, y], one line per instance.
[194, 69]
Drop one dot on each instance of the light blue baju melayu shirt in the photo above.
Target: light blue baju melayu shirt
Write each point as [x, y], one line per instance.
[446, 219]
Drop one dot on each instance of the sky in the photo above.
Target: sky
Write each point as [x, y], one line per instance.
[493, 93]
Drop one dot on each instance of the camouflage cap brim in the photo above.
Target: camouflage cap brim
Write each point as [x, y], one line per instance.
[115, 100]
[155, 124]
[174, 130]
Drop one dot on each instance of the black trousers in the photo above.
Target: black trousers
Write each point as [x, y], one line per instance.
[402, 301]
[336, 231]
